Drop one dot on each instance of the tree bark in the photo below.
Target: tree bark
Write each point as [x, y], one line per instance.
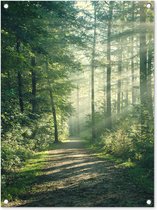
[149, 77]
[52, 107]
[19, 79]
[143, 67]
[132, 56]
[120, 94]
[127, 91]
[92, 78]
[33, 85]
[108, 114]
[78, 112]
[119, 84]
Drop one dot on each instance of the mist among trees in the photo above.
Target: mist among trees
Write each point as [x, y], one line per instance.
[77, 79]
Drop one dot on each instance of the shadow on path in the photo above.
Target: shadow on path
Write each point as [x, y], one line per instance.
[73, 177]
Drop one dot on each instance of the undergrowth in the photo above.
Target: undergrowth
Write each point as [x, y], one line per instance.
[129, 149]
[16, 183]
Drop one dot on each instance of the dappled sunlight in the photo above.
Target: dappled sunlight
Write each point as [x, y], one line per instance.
[77, 103]
[74, 176]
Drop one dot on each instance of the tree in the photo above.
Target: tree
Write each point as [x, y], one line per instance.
[132, 53]
[92, 75]
[33, 72]
[43, 29]
[149, 76]
[119, 79]
[19, 78]
[109, 116]
[78, 110]
[143, 63]
[52, 107]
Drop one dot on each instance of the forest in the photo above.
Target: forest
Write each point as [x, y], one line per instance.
[77, 103]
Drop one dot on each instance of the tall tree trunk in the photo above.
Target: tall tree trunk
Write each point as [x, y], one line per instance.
[143, 66]
[119, 84]
[149, 77]
[78, 112]
[127, 99]
[132, 56]
[19, 79]
[120, 94]
[33, 85]
[122, 100]
[52, 107]
[127, 91]
[92, 78]
[108, 114]
[105, 90]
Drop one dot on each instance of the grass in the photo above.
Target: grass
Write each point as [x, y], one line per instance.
[142, 179]
[23, 177]
[137, 174]
[20, 181]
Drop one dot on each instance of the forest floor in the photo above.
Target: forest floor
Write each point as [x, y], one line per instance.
[73, 177]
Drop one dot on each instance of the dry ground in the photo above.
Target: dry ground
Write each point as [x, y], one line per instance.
[73, 177]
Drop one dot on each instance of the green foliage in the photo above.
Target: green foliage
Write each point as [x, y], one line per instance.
[41, 31]
[99, 126]
[117, 143]
[14, 148]
[142, 177]
[50, 32]
[23, 177]
[129, 145]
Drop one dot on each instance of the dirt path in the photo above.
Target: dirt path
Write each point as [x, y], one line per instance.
[73, 177]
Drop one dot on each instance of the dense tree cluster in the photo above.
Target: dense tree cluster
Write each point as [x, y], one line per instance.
[91, 60]
[115, 108]
[36, 64]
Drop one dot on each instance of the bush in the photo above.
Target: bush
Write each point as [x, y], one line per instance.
[117, 143]
[13, 154]
[135, 146]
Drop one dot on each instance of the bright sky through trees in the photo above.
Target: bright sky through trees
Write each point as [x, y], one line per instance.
[77, 103]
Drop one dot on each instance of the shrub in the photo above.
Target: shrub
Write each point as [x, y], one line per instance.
[117, 143]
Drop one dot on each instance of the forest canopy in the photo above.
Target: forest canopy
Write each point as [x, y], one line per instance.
[78, 69]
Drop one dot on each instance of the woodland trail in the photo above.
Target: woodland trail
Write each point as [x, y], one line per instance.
[72, 176]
